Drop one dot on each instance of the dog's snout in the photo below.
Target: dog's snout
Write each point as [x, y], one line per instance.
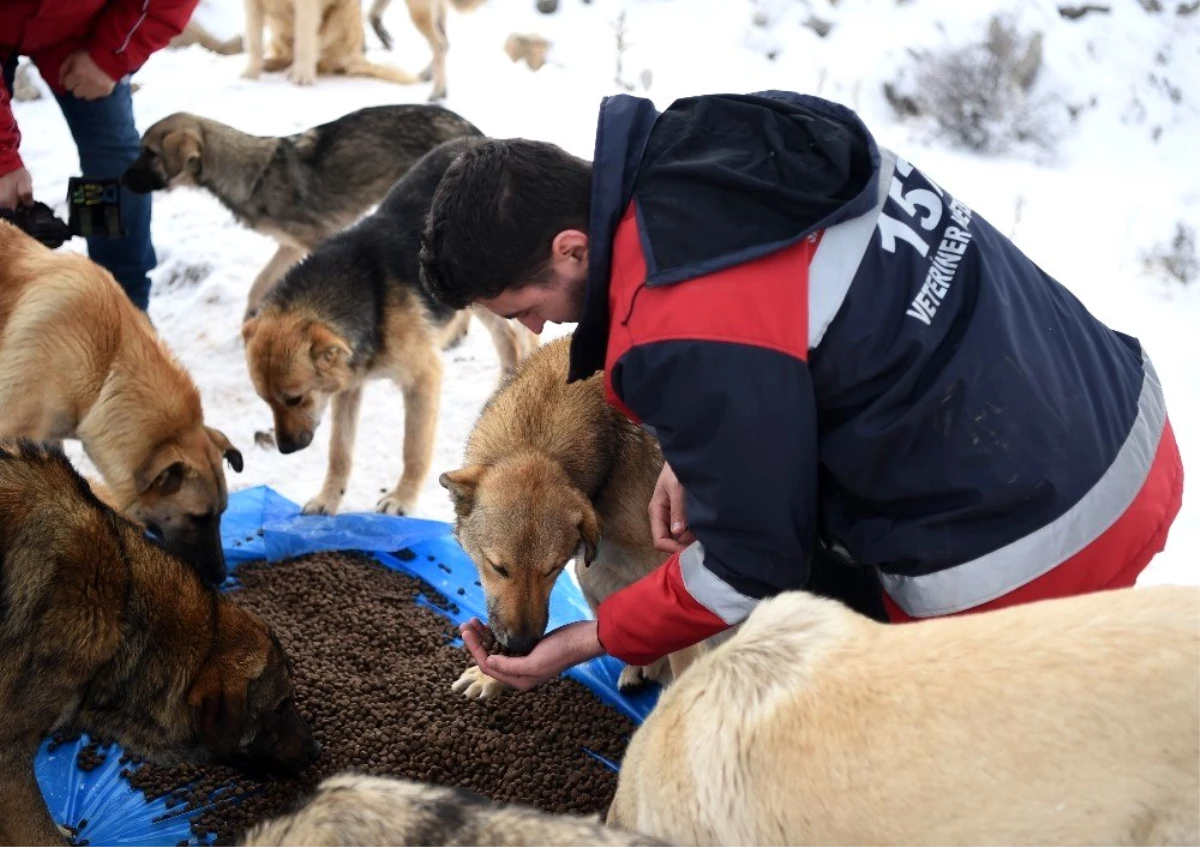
[291, 442]
[141, 179]
[520, 645]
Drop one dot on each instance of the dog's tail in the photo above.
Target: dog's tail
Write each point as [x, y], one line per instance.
[360, 66]
[466, 5]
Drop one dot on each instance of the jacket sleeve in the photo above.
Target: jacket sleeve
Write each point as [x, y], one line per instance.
[737, 423]
[127, 32]
[10, 135]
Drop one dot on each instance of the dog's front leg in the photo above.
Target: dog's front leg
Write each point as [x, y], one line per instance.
[254, 39]
[341, 452]
[306, 37]
[24, 818]
[422, 394]
[635, 676]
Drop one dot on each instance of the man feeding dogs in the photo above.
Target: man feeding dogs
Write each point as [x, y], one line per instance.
[859, 385]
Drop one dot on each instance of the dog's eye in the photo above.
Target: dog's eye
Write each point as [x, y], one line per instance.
[502, 571]
[293, 402]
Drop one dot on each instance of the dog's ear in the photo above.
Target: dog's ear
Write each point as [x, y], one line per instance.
[231, 453]
[249, 327]
[462, 484]
[162, 472]
[589, 532]
[181, 151]
[218, 708]
[328, 349]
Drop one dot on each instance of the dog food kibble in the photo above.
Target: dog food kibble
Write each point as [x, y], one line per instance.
[373, 671]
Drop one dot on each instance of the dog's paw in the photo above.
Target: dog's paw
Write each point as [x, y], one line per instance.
[322, 504]
[437, 95]
[638, 676]
[474, 684]
[396, 504]
[302, 75]
[252, 71]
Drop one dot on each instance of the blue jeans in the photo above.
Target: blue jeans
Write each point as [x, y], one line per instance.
[108, 142]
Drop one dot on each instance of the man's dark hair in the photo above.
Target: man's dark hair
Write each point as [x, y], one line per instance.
[495, 214]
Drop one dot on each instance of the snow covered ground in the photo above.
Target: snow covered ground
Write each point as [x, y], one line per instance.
[1123, 177]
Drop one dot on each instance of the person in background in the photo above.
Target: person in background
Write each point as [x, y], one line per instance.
[86, 51]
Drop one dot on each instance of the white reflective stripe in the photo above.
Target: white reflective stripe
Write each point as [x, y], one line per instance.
[838, 256]
[1024, 560]
[709, 590]
[138, 23]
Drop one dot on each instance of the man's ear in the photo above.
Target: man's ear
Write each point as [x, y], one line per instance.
[462, 484]
[570, 244]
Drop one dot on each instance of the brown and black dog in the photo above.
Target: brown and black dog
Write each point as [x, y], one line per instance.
[297, 189]
[102, 631]
[78, 360]
[355, 310]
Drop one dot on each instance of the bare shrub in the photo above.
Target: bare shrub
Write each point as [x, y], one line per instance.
[1177, 259]
[980, 96]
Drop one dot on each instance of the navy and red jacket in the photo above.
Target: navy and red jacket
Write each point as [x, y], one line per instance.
[119, 35]
[832, 348]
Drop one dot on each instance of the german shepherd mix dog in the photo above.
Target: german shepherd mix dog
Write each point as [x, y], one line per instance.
[311, 37]
[1069, 721]
[553, 473]
[429, 16]
[299, 189]
[104, 632]
[78, 360]
[355, 310]
[363, 811]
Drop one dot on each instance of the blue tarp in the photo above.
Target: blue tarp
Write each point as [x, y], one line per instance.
[260, 524]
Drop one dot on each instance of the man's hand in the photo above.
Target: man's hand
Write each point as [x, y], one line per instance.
[16, 189]
[83, 78]
[563, 648]
[668, 514]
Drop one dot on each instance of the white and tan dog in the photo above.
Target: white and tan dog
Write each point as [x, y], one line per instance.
[1073, 721]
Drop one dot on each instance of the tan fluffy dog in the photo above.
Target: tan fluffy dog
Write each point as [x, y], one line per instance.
[1073, 721]
[364, 811]
[311, 37]
[553, 471]
[78, 360]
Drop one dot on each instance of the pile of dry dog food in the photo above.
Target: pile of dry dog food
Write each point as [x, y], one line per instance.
[373, 671]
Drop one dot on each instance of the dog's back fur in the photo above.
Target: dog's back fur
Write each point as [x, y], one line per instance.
[1071, 721]
[363, 811]
[357, 274]
[102, 631]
